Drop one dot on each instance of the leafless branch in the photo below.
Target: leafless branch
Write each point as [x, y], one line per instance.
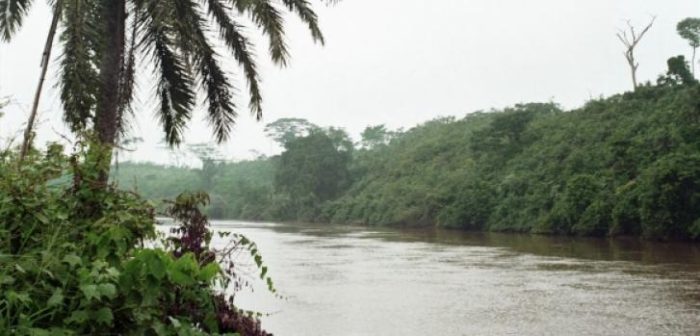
[631, 44]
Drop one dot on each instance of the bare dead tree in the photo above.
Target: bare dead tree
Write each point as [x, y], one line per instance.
[45, 58]
[630, 42]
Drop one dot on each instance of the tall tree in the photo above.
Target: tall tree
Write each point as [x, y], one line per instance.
[678, 73]
[373, 136]
[313, 165]
[212, 162]
[689, 29]
[630, 41]
[103, 39]
[285, 130]
[340, 138]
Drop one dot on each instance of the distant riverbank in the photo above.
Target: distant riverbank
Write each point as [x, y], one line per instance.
[627, 165]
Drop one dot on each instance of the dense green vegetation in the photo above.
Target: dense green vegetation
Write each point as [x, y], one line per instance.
[624, 165]
[75, 258]
[81, 256]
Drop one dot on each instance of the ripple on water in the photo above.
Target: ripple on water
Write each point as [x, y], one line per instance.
[350, 282]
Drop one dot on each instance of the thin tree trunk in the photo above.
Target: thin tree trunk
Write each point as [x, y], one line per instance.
[106, 118]
[693, 63]
[45, 59]
[630, 42]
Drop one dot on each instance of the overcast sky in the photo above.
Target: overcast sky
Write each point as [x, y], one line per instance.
[399, 63]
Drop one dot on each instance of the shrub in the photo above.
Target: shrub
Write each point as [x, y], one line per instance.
[73, 259]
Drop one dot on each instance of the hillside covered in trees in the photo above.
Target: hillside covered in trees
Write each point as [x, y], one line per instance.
[624, 165]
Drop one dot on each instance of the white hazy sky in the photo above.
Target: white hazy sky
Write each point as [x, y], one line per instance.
[399, 63]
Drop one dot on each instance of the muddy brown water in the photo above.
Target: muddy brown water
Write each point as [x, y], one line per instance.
[340, 280]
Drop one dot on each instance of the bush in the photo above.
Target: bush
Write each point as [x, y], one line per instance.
[73, 259]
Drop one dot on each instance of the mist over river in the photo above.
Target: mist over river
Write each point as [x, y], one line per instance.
[341, 280]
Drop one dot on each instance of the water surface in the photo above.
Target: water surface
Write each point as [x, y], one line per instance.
[367, 281]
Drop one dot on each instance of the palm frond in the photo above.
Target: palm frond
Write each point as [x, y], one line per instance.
[241, 48]
[308, 16]
[176, 35]
[222, 111]
[79, 77]
[12, 13]
[127, 82]
[269, 19]
[174, 82]
[175, 90]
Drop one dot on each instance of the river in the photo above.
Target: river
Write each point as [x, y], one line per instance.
[340, 280]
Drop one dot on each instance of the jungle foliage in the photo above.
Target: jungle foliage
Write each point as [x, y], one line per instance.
[622, 165]
[78, 258]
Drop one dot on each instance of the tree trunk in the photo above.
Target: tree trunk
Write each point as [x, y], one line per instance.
[45, 59]
[106, 118]
[693, 62]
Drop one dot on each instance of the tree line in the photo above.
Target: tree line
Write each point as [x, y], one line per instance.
[623, 165]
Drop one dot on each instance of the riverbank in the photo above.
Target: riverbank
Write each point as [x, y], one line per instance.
[626, 165]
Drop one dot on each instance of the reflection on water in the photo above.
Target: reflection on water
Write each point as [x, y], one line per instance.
[367, 281]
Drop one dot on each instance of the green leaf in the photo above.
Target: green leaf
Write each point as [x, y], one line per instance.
[72, 259]
[6, 279]
[42, 218]
[55, 299]
[156, 267]
[107, 290]
[174, 322]
[112, 272]
[159, 328]
[209, 271]
[90, 292]
[13, 296]
[183, 269]
[181, 278]
[78, 316]
[104, 315]
[39, 332]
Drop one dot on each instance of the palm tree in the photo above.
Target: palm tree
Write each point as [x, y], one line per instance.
[103, 40]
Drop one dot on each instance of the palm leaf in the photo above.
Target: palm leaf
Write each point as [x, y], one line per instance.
[79, 76]
[221, 110]
[242, 50]
[307, 15]
[269, 19]
[174, 82]
[12, 13]
[127, 82]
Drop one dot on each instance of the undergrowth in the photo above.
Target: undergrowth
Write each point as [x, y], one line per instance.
[81, 258]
